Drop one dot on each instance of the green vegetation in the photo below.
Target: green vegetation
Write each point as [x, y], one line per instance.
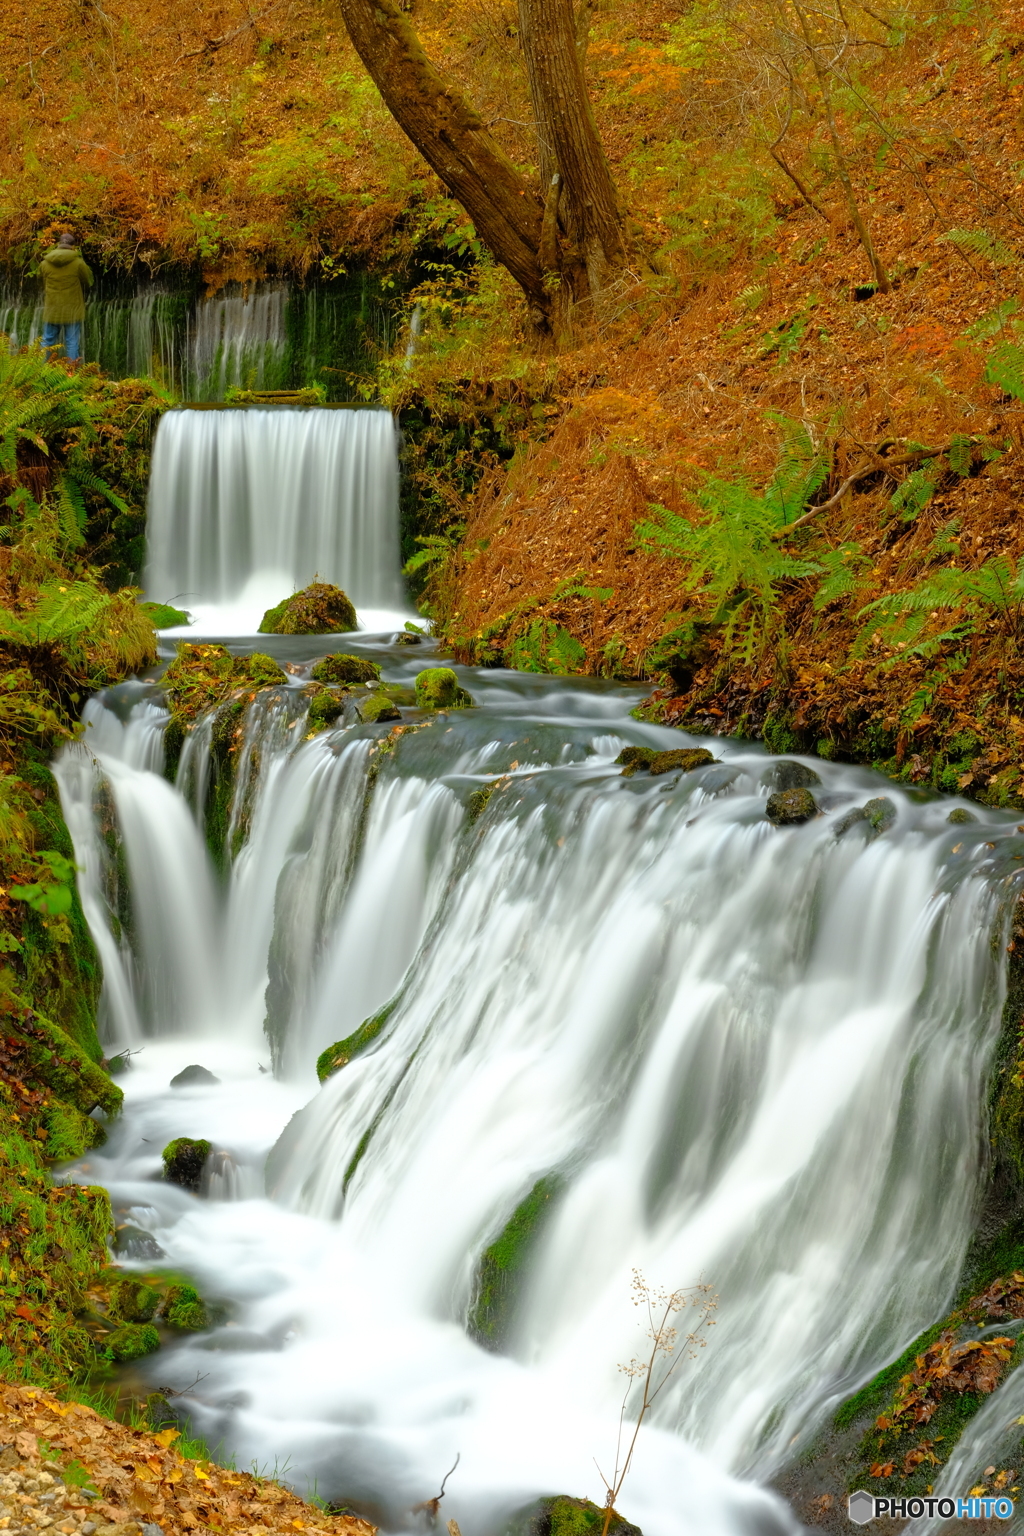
[561, 1515]
[340, 668]
[132, 1341]
[502, 1265]
[318, 609]
[438, 688]
[184, 1160]
[337, 1056]
[183, 1308]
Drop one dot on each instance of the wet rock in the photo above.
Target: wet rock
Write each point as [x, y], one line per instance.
[477, 802]
[408, 639]
[686, 759]
[324, 709]
[340, 1054]
[880, 814]
[438, 688]
[134, 1243]
[851, 819]
[318, 609]
[132, 1301]
[785, 774]
[959, 817]
[789, 807]
[560, 1515]
[184, 1161]
[194, 1076]
[343, 668]
[634, 758]
[376, 707]
[183, 1307]
[132, 1341]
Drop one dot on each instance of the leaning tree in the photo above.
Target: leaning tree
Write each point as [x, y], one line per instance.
[564, 238]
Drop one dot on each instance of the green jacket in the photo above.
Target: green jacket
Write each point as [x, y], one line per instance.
[64, 272]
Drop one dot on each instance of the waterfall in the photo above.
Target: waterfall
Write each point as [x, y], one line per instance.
[749, 1055]
[247, 506]
[238, 338]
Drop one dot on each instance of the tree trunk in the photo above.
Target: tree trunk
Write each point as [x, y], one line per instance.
[562, 245]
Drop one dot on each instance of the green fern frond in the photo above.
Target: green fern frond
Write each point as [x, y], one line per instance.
[980, 242]
[844, 568]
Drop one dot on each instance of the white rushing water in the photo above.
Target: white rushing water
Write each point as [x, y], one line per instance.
[749, 1055]
[247, 506]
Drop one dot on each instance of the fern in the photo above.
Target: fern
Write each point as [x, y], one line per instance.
[436, 549]
[915, 492]
[991, 324]
[731, 564]
[995, 589]
[547, 647]
[62, 612]
[576, 586]
[1005, 368]
[843, 568]
[979, 242]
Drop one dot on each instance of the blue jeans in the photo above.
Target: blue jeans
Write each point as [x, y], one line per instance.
[69, 335]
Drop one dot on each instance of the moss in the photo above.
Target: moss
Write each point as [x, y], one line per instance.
[184, 1160]
[634, 758]
[438, 688]
[50, 1058]
[340, 668]
[789, 807]
[183, 1308]
[778, 734]
[376, 708]
[478, 800]
[163, 616]
[132, 1341]
[561, 1515]
[318, 609]
[132, 1301]
[70, 1133]
[959, 817]
[682, 758]
[875, 1394]
[202, 676]
[502, 1264]
[339, 1055]
[324, 709]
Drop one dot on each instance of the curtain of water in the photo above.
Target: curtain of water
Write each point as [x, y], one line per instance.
[274, 498]
[752, 1055]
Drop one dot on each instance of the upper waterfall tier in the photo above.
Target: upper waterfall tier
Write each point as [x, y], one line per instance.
[247, 506]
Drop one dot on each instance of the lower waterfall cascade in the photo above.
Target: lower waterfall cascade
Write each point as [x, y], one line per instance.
[748, 1055]
[246, 506]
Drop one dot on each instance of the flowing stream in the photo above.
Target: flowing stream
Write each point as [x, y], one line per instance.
[746, 1055]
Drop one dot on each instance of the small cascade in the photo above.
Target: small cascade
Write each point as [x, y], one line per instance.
[238, 338]
[752, 1055]
[247, 506]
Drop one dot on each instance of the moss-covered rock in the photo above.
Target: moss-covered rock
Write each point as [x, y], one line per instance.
[502, 1265]
[132, 1341]
[340, 1054]
[163, 616]
[685, 759]
[478, 800]
[132, 1301]
[634, 758]
[183, 1308]
[438, 688]
[324, 708]
[959, 817]
[202, 676]
[53, 1059]
[560, 1515]
[341, 668]
[789, 807]
[318, 609]
[376, 707]
[184, 1160]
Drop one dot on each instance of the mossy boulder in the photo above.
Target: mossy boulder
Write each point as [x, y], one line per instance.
[477, 802]
[184, 1161]
[318, 609]
[341, 1053]
[163, 616]
[502, 1264]
[133, 1301]
[324, 709]
[634, 758]
[438, 688]
[183, 1308]
[202, 676]
[132, 1341]
[561, 1515]
[58, 1062]
[341, 668]
[376, 707]
[786, 774]
[685, 759]
[959, 817]
[877, 815]
[789, 807]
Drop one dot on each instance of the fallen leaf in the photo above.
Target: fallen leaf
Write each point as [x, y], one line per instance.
[166, 1437]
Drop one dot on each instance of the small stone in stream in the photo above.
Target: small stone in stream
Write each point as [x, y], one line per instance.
[132, 1342]
[438, 688]
[686, 759]
[851, 819]
[183, 1308]
[408, 640]
[134, 1243]
[789, 807]
[375, 708]
[785, 774]
[192, 1077]
[634, 758]
[880, 814]
[960, 817]
[184, 1161]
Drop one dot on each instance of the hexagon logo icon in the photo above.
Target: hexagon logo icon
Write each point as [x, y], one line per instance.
[861, 1506]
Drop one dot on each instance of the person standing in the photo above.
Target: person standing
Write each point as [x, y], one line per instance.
[65, 277]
